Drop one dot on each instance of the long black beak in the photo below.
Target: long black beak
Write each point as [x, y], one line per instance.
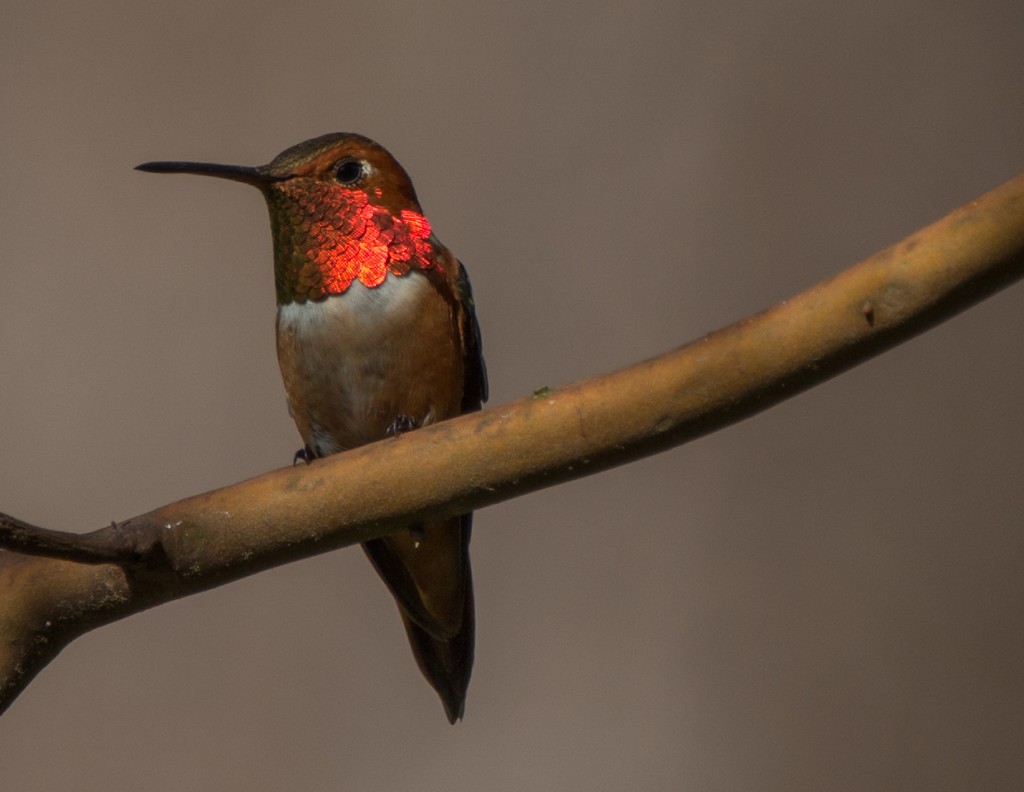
[258, 177]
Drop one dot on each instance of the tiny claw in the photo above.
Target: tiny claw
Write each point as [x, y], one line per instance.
[305, 454]
[401, 425]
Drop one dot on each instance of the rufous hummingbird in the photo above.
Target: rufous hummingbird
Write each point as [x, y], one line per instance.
[376, 335]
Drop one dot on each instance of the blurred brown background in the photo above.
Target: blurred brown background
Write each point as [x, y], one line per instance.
[827, 596]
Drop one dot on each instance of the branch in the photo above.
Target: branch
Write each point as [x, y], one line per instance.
[59, 585]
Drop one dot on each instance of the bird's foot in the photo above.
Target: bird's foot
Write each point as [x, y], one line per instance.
[401, 425]
[305, 454]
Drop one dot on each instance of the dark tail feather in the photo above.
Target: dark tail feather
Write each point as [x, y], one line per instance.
[447, 665]
[442, 638]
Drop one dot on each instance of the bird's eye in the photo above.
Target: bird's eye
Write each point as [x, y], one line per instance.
[349, 171]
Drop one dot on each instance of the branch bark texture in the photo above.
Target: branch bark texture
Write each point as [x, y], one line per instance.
[54, 586]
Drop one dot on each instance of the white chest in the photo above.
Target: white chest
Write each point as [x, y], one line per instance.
[355, 361]
[360, 311]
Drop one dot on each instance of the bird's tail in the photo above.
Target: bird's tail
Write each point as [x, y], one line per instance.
[447, 665]
[427, 571]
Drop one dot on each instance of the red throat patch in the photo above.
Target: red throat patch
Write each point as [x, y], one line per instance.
[327, 238]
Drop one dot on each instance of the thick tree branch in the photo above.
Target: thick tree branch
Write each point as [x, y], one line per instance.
[49, 597]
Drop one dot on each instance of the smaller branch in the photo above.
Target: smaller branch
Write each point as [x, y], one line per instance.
[95, 547]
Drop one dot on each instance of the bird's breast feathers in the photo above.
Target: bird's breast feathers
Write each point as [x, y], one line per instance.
[353, 362]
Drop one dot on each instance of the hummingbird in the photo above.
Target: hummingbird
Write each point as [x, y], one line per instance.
[376, 335]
